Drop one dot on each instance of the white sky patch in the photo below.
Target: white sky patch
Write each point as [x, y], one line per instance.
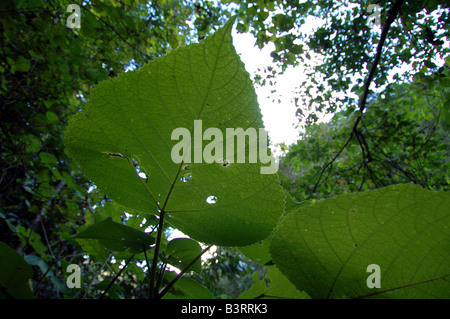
[279, 118]
[278, 109]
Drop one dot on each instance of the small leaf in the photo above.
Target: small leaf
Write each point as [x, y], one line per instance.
[51, 117]
[21, 64]
[117, 237]
[274, 285]
[47, 158]
[187, 288]
[430, 64]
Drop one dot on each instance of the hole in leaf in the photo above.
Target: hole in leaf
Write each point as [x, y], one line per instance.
[139, 171]
[114, 154]
[142, 175]
[211, 200]
[186, 177]
[186, 167]
[225, 163]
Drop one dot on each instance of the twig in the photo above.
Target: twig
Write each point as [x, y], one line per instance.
[93, 277]
[391, 15]
[117, 276]
[170, 285]
[156, 255]
[160, 276]
[148, 265]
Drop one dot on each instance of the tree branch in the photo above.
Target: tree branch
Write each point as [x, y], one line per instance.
[390, 17]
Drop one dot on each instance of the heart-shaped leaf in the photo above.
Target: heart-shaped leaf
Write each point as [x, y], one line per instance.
[337, 247]
[123, 142]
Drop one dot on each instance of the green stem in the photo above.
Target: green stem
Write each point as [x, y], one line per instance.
[146, 262]
[117, 276]
[170, 285]
[160, 276]
[156, 255]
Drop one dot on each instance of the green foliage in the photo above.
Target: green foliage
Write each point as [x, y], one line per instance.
[344, 44]
[15, 274]
[46, 71]
[188, 288]
[403, 138]
[325, 248]
[274, 285]
[52, 215]
[179, 252]
[227, 273]
[126, 129]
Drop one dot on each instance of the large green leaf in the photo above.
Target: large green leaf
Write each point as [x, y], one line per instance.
[117, 237]
[126, 129]
[326, 248]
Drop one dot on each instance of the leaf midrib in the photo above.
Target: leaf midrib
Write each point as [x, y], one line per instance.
[172, 186]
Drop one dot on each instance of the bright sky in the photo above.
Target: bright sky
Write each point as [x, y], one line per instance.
[279, 118]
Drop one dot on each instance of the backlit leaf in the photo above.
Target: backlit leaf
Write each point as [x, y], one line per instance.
[326, 248]
[122, 141]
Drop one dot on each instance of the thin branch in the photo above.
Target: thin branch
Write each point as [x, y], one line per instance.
[391, 15]
[95, 276]
[119, 35]
[160, 276]
[156, 255]
[185, 269]
[117, 276]
[148, 265]
[330, 163]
